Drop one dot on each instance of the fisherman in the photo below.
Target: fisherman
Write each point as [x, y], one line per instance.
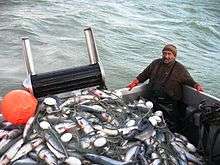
[166, 79]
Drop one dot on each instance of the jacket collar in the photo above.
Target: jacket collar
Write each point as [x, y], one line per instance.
[169, 64]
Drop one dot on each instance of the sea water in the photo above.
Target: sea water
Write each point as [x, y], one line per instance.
[129, 35]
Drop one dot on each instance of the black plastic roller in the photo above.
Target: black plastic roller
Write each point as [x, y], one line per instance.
[67, 80]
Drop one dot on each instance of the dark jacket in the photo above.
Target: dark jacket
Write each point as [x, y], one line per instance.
[168, 78]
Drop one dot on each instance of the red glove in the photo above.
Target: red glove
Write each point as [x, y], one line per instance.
[133, 84]
[199, 88]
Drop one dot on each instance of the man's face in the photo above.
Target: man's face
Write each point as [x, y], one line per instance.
[168, 56]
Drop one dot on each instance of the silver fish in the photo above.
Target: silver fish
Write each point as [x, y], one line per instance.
[189, 156]
[55, 119]
[146, 134]
[14, 133]
[46, 155]
[105, 160]
[62, 127]
[76, 100]
[156, 162]
[83, 123]
[3, 133]
[54, 140]
[131, 153]
[7, 143]
[4, 142]
[6, 158]
[106, 130]
[26, 148]
[25, 161]
[28, 126]
[55, 152]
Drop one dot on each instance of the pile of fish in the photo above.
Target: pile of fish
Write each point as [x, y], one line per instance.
[94, 127]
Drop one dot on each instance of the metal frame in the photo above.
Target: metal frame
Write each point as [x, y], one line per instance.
[28, 56]
[92, 52]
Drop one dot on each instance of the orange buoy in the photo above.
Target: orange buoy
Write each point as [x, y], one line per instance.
[18, 106]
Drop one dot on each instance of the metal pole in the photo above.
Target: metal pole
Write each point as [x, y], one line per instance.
[91, 46]
[28, 56]
[93, 53]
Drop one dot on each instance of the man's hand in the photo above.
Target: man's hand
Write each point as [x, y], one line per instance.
[133, 84]
[199, 88]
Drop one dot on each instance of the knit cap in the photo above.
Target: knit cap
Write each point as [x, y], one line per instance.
[170, 47]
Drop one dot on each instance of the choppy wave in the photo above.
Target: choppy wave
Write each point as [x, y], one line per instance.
[129, 35]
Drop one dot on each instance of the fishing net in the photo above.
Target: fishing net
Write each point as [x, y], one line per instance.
[102, 124]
